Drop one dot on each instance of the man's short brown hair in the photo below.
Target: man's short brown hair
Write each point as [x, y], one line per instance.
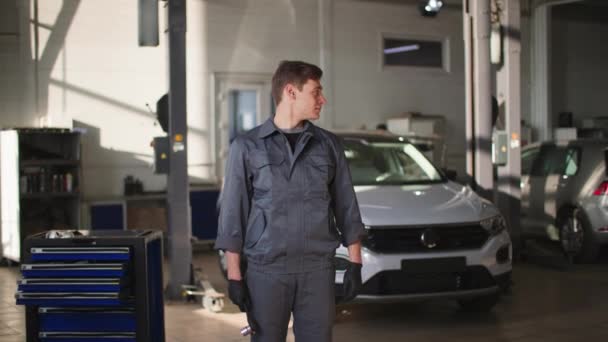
[294, 72]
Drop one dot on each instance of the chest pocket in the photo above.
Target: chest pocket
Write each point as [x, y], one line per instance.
[264, 168]
[321, 170]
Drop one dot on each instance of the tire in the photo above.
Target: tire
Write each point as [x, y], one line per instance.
[479, 304]
[576, 237]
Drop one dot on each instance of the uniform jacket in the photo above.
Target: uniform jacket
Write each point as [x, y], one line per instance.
[287, 212]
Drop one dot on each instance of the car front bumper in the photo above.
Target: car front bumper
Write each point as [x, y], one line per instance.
[384, 278]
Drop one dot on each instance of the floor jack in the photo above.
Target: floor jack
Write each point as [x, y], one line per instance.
[200, 287]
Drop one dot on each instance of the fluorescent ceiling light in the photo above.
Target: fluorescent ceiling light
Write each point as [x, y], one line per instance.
[404, 48]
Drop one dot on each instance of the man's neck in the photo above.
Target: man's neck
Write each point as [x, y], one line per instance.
[286, 121]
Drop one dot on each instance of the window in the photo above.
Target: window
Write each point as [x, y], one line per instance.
[242, 107]
[412, 52]
[527, 159]
[572, 160]
[554, 161]
[388, 163]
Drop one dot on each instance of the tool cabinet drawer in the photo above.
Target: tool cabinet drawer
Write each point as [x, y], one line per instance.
[73, 270]
[78, 336]
[89, 319]
[80, 253]
[32, 285]
[69, 299]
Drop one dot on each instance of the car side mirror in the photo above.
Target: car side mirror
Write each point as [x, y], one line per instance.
[450, 174]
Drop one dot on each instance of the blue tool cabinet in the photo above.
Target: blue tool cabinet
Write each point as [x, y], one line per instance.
[94, 286]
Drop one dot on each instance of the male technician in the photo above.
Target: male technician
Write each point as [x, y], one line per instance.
[287, 203]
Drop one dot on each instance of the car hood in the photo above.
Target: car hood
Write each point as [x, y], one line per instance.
[421, 204]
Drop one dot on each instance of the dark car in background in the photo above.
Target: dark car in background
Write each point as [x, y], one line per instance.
[564, 195]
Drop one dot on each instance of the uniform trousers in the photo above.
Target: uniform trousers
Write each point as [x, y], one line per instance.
[309, 296]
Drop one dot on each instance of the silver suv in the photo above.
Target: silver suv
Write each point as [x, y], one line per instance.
[427, 236]
[564, 195]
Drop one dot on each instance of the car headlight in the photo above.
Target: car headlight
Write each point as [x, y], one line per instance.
[494, 225]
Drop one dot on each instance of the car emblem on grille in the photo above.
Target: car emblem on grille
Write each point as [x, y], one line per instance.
[429, 238]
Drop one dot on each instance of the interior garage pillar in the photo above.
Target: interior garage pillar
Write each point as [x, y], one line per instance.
[508, 94]
[476, 19]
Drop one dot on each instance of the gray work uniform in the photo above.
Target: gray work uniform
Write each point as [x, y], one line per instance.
[287, 212]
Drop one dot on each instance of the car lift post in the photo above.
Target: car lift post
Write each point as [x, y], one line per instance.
[178, 203]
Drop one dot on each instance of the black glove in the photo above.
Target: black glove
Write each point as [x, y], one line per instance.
[352, 281]
[253, 324]
[238, 294]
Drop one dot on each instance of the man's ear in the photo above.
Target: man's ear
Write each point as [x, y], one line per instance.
[290, 91]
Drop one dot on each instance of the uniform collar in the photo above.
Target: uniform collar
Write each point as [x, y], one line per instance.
[268, 128]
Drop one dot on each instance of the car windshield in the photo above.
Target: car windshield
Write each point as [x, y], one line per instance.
[388, 163]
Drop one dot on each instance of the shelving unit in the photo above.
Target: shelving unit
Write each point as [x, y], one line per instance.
[40, 177]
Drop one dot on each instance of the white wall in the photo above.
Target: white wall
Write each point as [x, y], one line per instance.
[366, 94]
[254, 35]
[579, 68]
[90, 72]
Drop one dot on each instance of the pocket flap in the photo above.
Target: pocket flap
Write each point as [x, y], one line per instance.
[320, 160]
[260, 159]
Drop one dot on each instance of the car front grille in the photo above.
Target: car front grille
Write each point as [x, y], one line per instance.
[409, 239]
[396, 282]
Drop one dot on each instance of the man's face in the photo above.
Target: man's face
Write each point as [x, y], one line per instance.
[309, 101]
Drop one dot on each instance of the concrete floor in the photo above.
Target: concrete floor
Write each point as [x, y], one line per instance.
[546, 304]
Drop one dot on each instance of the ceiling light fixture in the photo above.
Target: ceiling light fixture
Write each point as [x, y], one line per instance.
[430, 8]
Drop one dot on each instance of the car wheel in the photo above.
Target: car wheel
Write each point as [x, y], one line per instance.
[221, 258]
[576, 237]
[479, 304]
